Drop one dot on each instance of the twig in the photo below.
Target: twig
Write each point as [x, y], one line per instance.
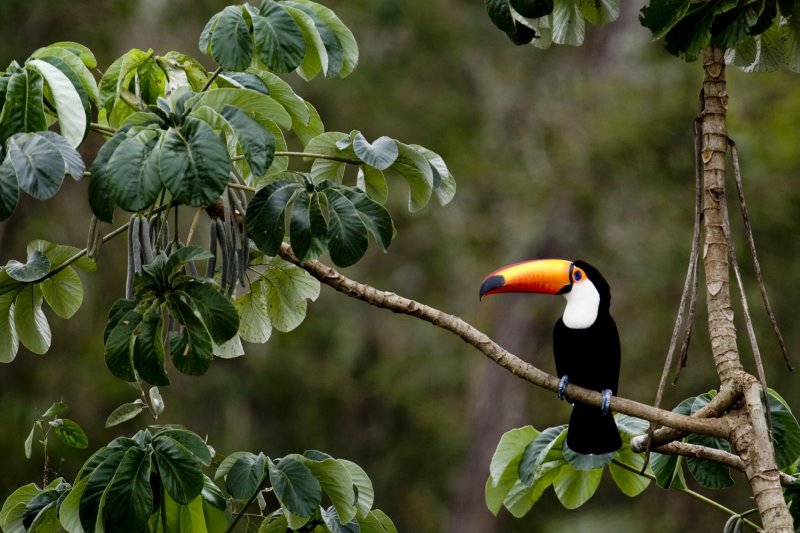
[211, 79]
[192, 228]
[320, 156]
[693, 494]
[752, 245]
[512, 363]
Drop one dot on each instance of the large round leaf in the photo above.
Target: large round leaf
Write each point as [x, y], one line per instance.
[129, 499]
[245, 476]
[181, 473]
[575, 487]
[194, 163]
[295, 487]
[336, 481]
[265, 217]
[279, 41]
[37, 266]
[133, 178]
[343, 35]
[29, 320]
[380, 154]
[98, 482]
[231, 42]
[148, 350]
[38, 164]
[347, 234]
[63, 292]
[99, 195]
[308, 229]
[72, 119]
[218, 312]
[9, 189]
[23, 110]
[118, 353]
[257, 143]
[192, 350]
[363, 487]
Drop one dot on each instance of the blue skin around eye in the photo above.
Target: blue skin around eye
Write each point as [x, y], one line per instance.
[577, 276]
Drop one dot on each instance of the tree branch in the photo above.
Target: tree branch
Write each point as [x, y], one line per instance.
[716, 427]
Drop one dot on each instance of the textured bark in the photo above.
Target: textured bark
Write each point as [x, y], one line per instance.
[750, 436]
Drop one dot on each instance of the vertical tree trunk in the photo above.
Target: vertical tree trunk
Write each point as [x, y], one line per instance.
[750, 436]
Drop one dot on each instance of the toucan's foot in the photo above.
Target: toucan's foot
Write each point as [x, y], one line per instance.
[605, 404]
[562, 386]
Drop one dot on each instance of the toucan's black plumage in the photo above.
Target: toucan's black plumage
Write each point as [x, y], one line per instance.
[585, 340]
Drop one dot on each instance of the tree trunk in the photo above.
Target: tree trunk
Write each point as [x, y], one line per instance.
[749, 436]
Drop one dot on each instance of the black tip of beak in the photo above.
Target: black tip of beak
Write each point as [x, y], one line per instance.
[492, 283]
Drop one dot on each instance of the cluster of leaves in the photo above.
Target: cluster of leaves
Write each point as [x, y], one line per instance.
[282, 36]
[24, 287]
[758, 35]
[155, 481]
[67, 430]
[544, 22]
[668, 469]
[527, 462]
[203, 316]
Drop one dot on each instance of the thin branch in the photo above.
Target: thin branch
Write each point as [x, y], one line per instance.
[509, 361]
[99, 128]
[193, 226]
[752, 245]
[693, 494]
[211, 79]
[242, 187]
[321, 156]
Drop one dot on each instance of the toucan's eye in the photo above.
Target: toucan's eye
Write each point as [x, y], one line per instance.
[578, 275]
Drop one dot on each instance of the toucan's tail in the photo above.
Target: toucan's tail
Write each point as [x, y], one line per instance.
[590, 431]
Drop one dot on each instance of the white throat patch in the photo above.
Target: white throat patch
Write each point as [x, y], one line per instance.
[583, 303]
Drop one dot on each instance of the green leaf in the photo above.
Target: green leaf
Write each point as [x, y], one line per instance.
[218, 313]
[335, 480]
[376, 522]
[258, 144]
[156, 401]
[327, 144]
[18, 498]
[416, 170]
[124, 412]
[334, 52]
[630, 483]
[133, 175]
[761, 53]
[444, 182]
[41, 512]
[70, 433]
[591, 461]
[379, 154]
[99, 195]
[279, 41]
[790, 33]
[295, 487]
[308, 229]
[537, 451]
[288, 287]
[231, 43]
[575, 487]
[29, 443]
[245, 476]
[265, 219]
[569, 25]
[192, 350]
[69, 510]
[194, 163]
[785, 431]
[96, 486]
[227, 463]
[668, 470]
[373, 182]
[660, 16]
[181, 473]
[29, 320]
[204, 42]
[148, 350]
[343, 35]
[129, 499]
[255, 324]
[374, 216]
[532, 8]
[38, 266]
[335, 524]
[38, 164]
[190, 441]
[55, 409]
[83, 52]
[599, 11]
[363, 487]
[522, 497]
[316, 55]
[259, 106]
[347, 233]
[63, 292]
[9, 340]
[72, 120]
[70, 58]
[708, 473]
[118, 349]
[23, 110]
[9, 189]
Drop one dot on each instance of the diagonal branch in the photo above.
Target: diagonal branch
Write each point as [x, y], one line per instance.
[716, 427]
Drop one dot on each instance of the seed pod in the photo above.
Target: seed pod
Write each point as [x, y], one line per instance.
[223, 246]
[134, 234]
[147, 246]
[94, 239]
[155, 228]
[212, 247]
[131, 263]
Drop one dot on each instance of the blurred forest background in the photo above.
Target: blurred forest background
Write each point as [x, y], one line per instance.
[573, 152]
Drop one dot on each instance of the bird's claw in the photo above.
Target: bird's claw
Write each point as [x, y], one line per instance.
[605, 404]
[562, 386]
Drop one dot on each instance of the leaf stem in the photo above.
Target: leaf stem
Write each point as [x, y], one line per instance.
[99, 128]
[246, 505]
[693, 494]
[242, 187]
[211, 79]
[320, 156]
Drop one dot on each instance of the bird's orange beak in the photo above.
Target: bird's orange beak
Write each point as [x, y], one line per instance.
[546, 276]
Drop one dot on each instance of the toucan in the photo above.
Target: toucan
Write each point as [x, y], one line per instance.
[585, 340]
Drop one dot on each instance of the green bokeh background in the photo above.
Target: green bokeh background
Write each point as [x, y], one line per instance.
[573, 152]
